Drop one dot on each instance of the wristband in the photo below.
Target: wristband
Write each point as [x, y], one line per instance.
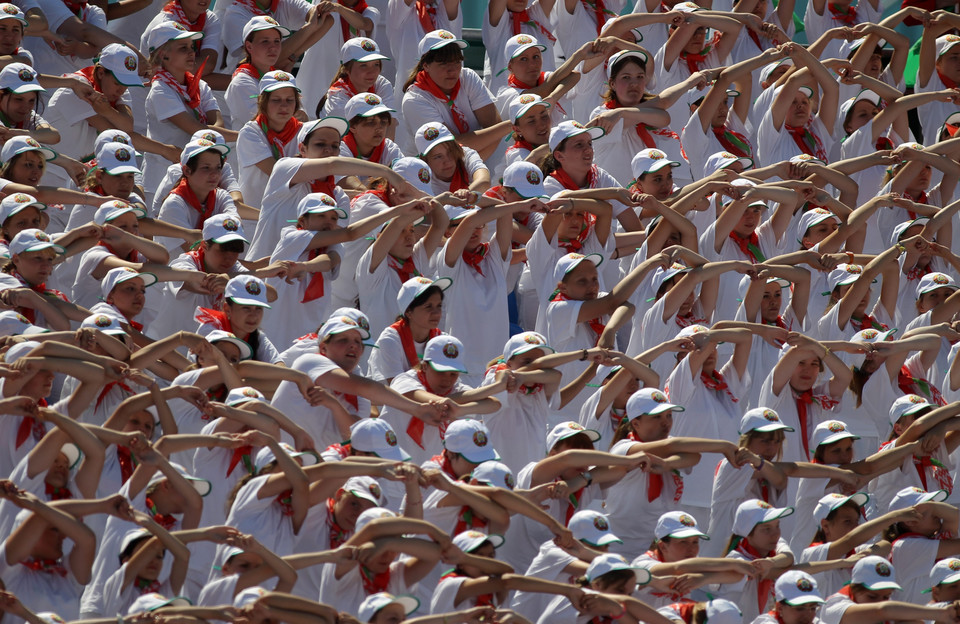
[901, 248]
[583, 356]
[762, 461]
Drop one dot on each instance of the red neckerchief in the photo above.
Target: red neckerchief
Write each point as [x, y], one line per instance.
[278, 141]
[867, 322]
[950, 84]
[446, 467]
[251, 6]
[427, 14]
[351, 400]
[939, 471]
[415, 427]
[808, 142]
[564, 178]
[342, 450]
[86, 74]
[189, 93]
[114, 384]
[519, 18]
[380, 194]
[918, 272]
[694, 60]
[483, 600]
[848, 17]
[315, 285]
[756, 39]
[402, 327]
[198, 256]
[132, 255]
[41, 289]
[467, 519]
[803, 399]
[30, 426]
[376, 156]
[475, 257]
[460, 180]
[348, 31]
[46, 566]
[655, 480]
[76, 6]
[883, 143]
[573, 503]
[918, 385]
[715, 381]
[57, 493]
[513, 81]
[687, 321]
[599, 10]
[324, 185]
[167, 521]
[405, 269]
[749, 246]
[595, 323]
[127, 463]
[500, 365]
[214, 317]
[175, 10]
[146, 586]
[250, 70]
[285, 502]
[203, 210]
[338, 534]
[642, 130]
[345, 84]
[617, 416]
[764, 587]
[374, 583]
[426, 83]
[521, 143]
[732, 141]
[241, 455]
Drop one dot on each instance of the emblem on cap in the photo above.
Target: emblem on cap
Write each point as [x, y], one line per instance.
[658, 396]
[533, 177]
[270, 20]
[326, 200]
[575, 426]
[600, 523]
[346, 320]
[526, 98]
[23, 319]
[914, 398]
[130, 63]
[252, 287]
[576, 124]
[431, 133]
[687, 521]
[375, 490]
[883, 569]
[102, 320]
[422, 280]
[119, 139]
[531, 339]
[954, 565]
[424, 176]
[21, 198]
[391, 438]
[9, 9]
[727, 155]
[371, 99]
[445, 34]
[204, 143]
[509, 481]
[281, 77]
[368, 45]
[656, 155]
[854, 269]
[835, 426]
[479, 438]
[42, 236]
[31, 141]
[363, 323]
[764, 505]
[940, 278]
[804, 585]
[25, 75]
[209, 136]
[771, 415]
[122, 155]
[230, 225]
[450, 350]
[870, 334]
[250, 392]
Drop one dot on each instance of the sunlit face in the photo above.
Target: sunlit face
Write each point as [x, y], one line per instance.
[800, 110]
[206, 175]
[653, 427]
[364, 75]
[345, 349]
[577, 154]
[141, 421]
[630, 82]
[766, 444]
[843, 520]
[930, 300]
[534, 126]
[764, 536]
[178, 56]
[403, 247]
[928, 523]
[325, 221]
[772, 302]
[129, 297]
[527, 65]
[118, 185]
[658, 183]
[861, 113]
[322, 143]
[242, 562]
[444, 73]
[428, 315]
[862, 595]
[11, 34]
[243, 318]
[750, 220]
[264, 47]
[369, 132]
[281, 105]
[127, 222]
[27, 168]
[679, 549]
[805, 375]
[442, 383]
[35, 266]
[58, 475]
[39, 386]
[18, 107]
[27, 218]
[803, 614]
[948, 63]
[838, 453]
[348, 508]
[818, 232]
[582, 283]
[442, 162]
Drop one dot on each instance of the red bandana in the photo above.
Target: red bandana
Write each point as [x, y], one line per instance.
[346, 30]
[513, 81]
[324, 185]
[426, 83]
[427, 14]
[402, 327]
[165, 520]
[251, 5]
[87, 74]
[57, 493]
[405, 269]
[190, 94]
[715, 381]
[345, 84]
[867, 322]
[46, 566]
[941, 473]
[415, 427]
[204, 210]
[285, 502]
[30, 426]
[764, 587]
[918, 385]
[376, 156]
[564, 178]
[804, 399]
[374, 583]
[749, 246]
[175, 10]
[127, 463]
[278, 141]
[338, 534]
[847, 16]
[533, 389]
[250, 70]
[599, 10]
[483, 600]
[808, 142]
[519, 18]
[241, 455]
[475, 257]
[733, 142]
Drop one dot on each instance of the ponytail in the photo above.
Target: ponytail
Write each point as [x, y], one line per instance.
[623, 430]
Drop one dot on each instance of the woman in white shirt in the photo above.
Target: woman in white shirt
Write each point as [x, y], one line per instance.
[361, 66]
[262, 37]
[370, 124]
[452, 166]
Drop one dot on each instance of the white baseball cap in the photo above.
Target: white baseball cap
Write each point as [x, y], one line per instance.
[107, 323]
[831, 431]
[935, 281]
[218, 335]
[223, 228]
[202, 486]
[471, 439]
[871, 335]
[443, 354]
[911, 496]
[366, 488]
[678, 525]
[169, 30]
[210, 135]
[842, 275]
[375, 435]
[945, 43]
[519, 105]
[517, 45]
[834, 500]
[111, 136]
[19, 350]
[847, 106]
[117, 158]
[437, 39]
[316, 203]
[875, 574]
[366, 105]
[610, 562]
[415, 286]
[752, 512]
[494, 474]
[721, 611]
[32, 239]
[762, 419]
[248, 596]
[661, 275]
[812, 217]
[108, 211]
[414, 171]
[246, 290]
[339, 324]
[123, 274]
[569, 429]
[592, 527]
[12, 323]
[20, 144]
[625, 54]
[361, 49]
[797, 588]
[944, 572]
[244, 394]
[906, 405]
[722, 160]
[15, 202]
[368, 516]
[199, 146]
[154, 601]
[263, 22]
[362, 320]
[525, 178]
[12, 11]
[372, 605]
[266, 456]
[649, 401]
[567, 129]
[430, 135]
[650, 160]
[121, 61]
[277, 79]
[523, 342]
[897, 233]
[767, 70]
[19, 78]
[341, 125]
[469, 541]
[571, 261]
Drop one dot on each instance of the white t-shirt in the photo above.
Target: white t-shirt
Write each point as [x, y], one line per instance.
[419, 107]
[337, 99]
[495, 38]
[614, 151]
[175, 210]
[405, 33]
[290, 14]
[775, 145]
[378, 288]
[518, 430]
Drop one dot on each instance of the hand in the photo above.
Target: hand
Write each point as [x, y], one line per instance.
[220, 534]
[119, 507]
[195, 396]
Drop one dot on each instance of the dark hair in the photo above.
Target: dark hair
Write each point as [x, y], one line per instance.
[450, 53]
[235, 246]
[192, 163]
[263, 97]
[609, 95]
[422, 298]
[385, 117]
[616, 576]
[819, 536]
[37, 106]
